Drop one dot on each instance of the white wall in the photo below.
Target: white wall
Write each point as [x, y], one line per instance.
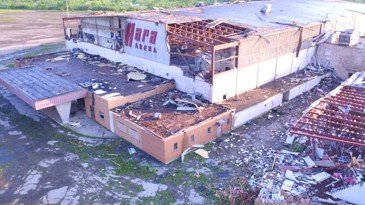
[266, 72]
[298, 90]
[183, 83]
[243, 116]
[238, 81]
[245, 83]
[159, 50]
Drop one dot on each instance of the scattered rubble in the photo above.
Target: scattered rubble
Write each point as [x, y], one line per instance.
[168, 113]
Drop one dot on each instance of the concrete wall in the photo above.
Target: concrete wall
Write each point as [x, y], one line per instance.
[247, 114]
[143, 47]
[298, 90]
[345, 60]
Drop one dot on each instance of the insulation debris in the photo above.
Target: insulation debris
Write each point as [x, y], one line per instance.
[59, 58]
[203, 153]
[131, 151]
[137, 76]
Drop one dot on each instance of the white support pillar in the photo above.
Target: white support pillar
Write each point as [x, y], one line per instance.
[64, 111]
[111, 121]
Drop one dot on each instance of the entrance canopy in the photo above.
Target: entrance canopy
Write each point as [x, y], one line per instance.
[40, 88]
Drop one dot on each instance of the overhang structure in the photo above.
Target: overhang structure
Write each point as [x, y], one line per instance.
[42, 89]
[339, 116]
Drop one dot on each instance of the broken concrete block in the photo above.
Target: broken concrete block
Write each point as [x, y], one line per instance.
[324, 163]
[287, 185]
[310, 163]
[320, 177]
[289, 139]
[289, 175]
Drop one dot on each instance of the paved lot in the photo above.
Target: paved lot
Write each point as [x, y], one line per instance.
[24, 29]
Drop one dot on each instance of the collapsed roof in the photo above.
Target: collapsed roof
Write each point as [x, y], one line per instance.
[339, 116]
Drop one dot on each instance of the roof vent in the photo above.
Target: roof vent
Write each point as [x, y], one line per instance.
[266, 9]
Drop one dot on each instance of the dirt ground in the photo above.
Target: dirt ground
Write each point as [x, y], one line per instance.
[23, 29]
[42, 162]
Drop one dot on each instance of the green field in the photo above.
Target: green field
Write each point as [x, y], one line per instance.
[97, 5]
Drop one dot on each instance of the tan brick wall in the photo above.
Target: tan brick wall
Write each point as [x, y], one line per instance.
[201, 136]
[163, 148]
[149, 142]
[255, 49]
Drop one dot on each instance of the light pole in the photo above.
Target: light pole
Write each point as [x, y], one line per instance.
[68, 14]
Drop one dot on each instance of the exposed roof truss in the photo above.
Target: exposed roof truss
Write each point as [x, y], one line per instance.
[339, 116]
[204, 33]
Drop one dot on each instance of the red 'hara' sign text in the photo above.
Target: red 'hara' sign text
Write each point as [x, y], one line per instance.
[143, 39]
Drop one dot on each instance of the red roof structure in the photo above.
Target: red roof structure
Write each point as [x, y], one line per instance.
[339, 116]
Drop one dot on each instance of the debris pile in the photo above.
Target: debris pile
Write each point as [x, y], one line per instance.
[98, 86]
[169, 112]
[315, 175]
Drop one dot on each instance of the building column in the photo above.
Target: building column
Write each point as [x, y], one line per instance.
[64, 111]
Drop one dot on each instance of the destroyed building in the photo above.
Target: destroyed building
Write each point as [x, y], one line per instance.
[165, 80]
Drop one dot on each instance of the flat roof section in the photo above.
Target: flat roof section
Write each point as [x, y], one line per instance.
[40, 88]
[248, 13]
[260, 94]
[97, 74]
[162, 115]
[339, 116]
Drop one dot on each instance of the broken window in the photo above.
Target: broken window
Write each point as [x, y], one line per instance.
[134, 134]
[224, 97]
[101, 115]
[122, 127]
[175, 146]
[192, 138]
